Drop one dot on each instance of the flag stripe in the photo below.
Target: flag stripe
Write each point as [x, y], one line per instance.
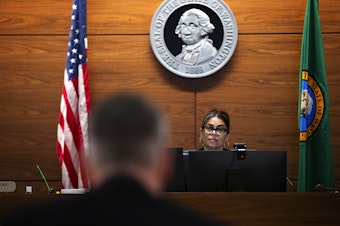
[70, 168]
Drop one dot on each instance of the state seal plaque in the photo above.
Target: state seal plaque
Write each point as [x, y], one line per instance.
[193, 38]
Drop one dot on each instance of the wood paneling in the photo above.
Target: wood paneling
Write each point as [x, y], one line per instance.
[134, 17]
[250, 209]
[30, 96]
[258, 87]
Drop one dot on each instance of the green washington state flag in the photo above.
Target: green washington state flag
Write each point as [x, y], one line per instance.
[315, 157]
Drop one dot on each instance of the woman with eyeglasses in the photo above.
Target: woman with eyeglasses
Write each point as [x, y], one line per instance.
[214, 135]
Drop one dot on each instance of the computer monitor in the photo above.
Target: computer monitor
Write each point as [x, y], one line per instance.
[177, 182]
[256, 171]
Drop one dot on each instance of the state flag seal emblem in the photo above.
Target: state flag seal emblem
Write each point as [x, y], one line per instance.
[193, 38]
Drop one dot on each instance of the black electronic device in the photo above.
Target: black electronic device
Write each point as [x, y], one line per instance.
[241, 150]
[240, 146]
[217, 171]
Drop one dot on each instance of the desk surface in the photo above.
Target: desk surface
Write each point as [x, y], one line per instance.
[241, 208]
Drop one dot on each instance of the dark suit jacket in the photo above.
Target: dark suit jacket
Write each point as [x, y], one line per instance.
[121, 201]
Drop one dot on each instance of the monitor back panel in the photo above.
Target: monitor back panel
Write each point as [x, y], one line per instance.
[177, 182]
[263, 171]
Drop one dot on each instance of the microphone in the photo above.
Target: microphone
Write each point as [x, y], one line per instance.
[323, 188]
[50, 190]
[291, 184]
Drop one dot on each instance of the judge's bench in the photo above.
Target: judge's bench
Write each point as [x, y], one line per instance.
[240, 208]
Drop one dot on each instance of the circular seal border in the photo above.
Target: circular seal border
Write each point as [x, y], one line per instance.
[169, 61]
[318, 107]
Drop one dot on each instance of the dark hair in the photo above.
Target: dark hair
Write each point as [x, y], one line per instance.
[223, 115]
[123, 126]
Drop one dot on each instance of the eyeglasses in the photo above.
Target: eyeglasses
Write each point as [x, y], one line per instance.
[219, 130]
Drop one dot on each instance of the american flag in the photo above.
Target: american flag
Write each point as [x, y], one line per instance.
[72, 144]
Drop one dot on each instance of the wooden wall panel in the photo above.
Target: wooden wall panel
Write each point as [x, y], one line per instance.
[30, 89]
[258, 87]
[30, 97]
[35, 17]
[134, 17]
